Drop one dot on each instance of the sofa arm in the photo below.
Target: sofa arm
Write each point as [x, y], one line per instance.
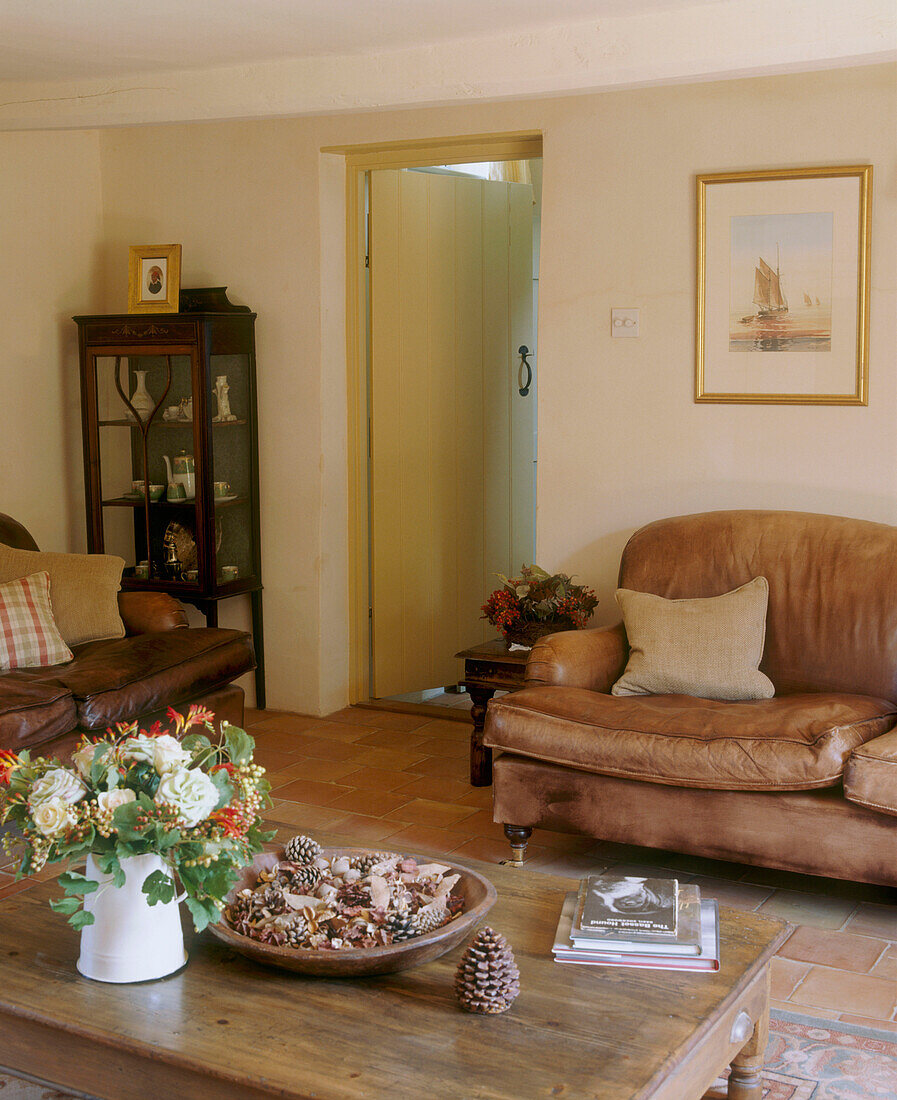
[592, 659]
[150, 612]
[870, 777]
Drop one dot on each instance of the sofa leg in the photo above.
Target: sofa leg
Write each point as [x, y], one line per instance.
[517, 835]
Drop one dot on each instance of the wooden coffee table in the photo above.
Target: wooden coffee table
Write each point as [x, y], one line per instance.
[224, 1027]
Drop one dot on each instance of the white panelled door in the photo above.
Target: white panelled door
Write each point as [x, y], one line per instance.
[452, 441]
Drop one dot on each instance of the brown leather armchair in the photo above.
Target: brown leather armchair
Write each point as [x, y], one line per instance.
[806, 781]
[160, 662]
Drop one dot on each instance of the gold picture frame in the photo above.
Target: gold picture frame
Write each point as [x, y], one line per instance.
[782, 286]
[154, 278]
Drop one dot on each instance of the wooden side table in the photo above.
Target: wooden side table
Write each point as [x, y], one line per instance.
[488, 668]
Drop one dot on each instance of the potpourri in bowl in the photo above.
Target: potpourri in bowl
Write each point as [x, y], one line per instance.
[351, 911]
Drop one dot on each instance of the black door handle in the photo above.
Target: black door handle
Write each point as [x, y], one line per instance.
[523, 387]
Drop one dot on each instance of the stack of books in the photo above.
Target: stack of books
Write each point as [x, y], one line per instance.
[650, 923]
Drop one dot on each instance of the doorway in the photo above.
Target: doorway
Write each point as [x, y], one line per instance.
[444, 295]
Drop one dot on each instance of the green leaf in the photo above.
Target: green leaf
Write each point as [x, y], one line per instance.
[109, 864]
[97, 767]
[225, 788]
[77, 884]
[80, 920]
[204, 912]
[65, 905]
[158, 887]
[197, 744]
[166, 838]
[141, 777]
[124, 818]
[75, 848]
[239, 744]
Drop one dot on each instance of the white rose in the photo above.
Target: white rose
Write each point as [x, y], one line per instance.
[53, 817]
[83, 759]
[57, 783]
[191, 792]
[111, 800]
[141, 747]
[170, 754]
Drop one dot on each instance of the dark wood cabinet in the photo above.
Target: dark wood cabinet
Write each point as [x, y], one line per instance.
[168, 407]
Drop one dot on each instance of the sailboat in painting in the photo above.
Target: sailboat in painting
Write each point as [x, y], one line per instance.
[768, 294]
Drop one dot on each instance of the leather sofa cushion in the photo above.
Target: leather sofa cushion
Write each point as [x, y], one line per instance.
[793, 742]
[114, 680]
[32, 712]
[870, 778]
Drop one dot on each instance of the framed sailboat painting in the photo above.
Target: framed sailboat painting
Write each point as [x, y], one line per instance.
[783, 271]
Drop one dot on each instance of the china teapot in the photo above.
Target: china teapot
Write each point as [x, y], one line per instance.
[184, 473]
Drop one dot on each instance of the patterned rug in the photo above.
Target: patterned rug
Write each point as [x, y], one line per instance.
[812, 1059]
[806, 1059]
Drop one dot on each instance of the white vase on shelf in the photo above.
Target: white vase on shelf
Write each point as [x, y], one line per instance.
[140, 399]
[221, 393]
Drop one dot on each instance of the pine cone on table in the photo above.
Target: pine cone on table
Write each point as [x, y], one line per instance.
[302, 849]
[487, 980]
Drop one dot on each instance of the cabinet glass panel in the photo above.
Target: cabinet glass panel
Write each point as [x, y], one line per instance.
[147, 470]
[229, 404]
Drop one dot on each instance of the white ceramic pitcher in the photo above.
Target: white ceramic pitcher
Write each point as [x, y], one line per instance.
[183, 473]
[130, 940]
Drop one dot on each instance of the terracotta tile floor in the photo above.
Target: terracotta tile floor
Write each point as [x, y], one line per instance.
[382, 776]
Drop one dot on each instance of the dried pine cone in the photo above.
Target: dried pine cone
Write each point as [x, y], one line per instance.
[487, 980]
[302, 849]
[400, 922]
[296, 929]
[426, 920]
[365, 863]
[270, 898]
[299, 880]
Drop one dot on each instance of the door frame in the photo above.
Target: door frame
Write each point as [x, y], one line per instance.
[361, 159]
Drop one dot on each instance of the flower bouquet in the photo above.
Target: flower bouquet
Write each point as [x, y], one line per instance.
[537, 603]
[189, 804]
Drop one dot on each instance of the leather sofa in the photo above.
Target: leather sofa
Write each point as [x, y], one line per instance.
[805, 781]
[161, 662]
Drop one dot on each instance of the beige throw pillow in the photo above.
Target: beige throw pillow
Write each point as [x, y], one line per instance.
[710, 648]
[83, 590]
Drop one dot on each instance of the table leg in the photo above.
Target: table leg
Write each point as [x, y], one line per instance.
[745, 1078]
[480, 756]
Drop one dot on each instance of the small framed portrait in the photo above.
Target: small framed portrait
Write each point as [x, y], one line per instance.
[154, 278]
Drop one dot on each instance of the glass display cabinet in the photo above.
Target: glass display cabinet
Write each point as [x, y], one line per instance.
[168, 406]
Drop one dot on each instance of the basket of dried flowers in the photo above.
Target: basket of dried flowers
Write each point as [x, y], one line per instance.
[348, 912]
[536, 603]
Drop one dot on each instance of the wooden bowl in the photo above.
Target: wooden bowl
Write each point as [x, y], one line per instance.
[479, 897]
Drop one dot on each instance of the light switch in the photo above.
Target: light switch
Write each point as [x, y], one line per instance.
[624, 322]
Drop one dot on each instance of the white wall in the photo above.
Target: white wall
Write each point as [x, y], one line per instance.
[50, 204]
[241, 198]
[621, 442]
